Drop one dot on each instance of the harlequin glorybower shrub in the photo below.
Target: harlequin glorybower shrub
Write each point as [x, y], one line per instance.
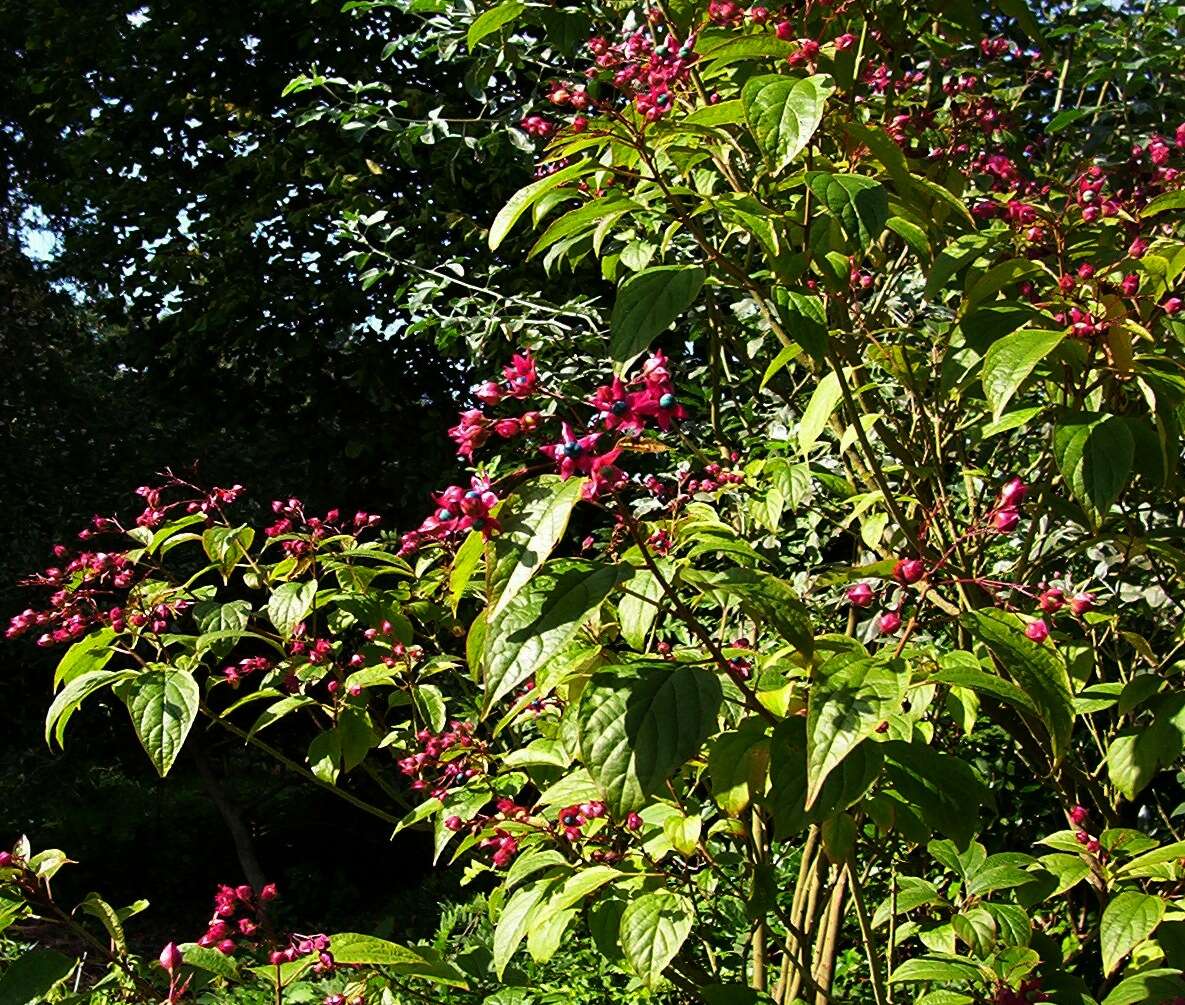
[825, 648]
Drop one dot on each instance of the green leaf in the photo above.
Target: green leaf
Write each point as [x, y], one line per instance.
[843, 708]
[527, 196]
[769, 600]
[638, 608]
[943, 969]
[943, 788]
[539, 622]
[824, 398]
[290, 604]
[211, 960]
[1094, 454]
[738, 764]
[1136, 755]
[637, 728]
[783, 113]
[1167, 201]
[653, 930]
[912, 235]
[70, 698]
[163, 705]
[1009, 362]
[29, 980]
[225, 546]
[1128, 919]
[464, 562]
[860, 204]
[491, 20]
[90, 653]
[353, 949]
[1040, 673]
[97, 907]
[985, 683]
[276, 711]
[1160, 985]
[647, 304]
[512, 922]
[804, 319]
[533, 521]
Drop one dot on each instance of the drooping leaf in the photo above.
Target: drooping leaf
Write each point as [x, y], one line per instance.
[163, 704]
[526, 197]
[543, 617]
[1094, 454]
[1040, 673]
[638, 727]
[533, 521]
[653, 929]
[1009, 362]
[647, 304]
[491, 20]
[1128, 919]
[860, 204]
[783, 113]
[843, 708]
[290, 604]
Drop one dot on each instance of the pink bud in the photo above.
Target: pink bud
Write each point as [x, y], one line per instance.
[1012, 493]
[268, 892]
[633, 822]
[170, 957]
[860, 595]
[5, 859]
[909, 570]
[1005, 520]
[1080, 603]
[1037, 630]
[1172, 305]
[1051, 600]
[889, 622]
[1078, 815]
[226, 947]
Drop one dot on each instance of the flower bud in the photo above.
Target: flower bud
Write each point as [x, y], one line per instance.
[860, 595]
[5, 859]
[1080, 603]
[268, 892]
[909, 570]
[170, 957]
[1037, 630]
[1051, 600]
[1078, 815]
[1005, 520]
[889, 622]
[633, 822]
[1013, 491]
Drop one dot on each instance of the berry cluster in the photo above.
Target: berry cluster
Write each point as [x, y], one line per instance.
[299, 534]
[236, 911]
[445, 760]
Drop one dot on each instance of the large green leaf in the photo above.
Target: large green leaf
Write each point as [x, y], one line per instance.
[70, 698]
[1040, 673]
[647, 304]
[638, 608]
[1128, 919]
[527, 196]
[90, 653]
[514, 919]
[163, 704]
[738, 765]
[804, 319]
[1094, 454]
[638, 727]
[354, 948]
[653, 930]
[1138, 754]
[860, 204]
[784, 112]
[290, 604]
[29, 979]
[843, 708]
[769, 600]
[542, 618]
[1009, 362]
[943, 788]
[532, 522]
[491, 20]
[824, 398]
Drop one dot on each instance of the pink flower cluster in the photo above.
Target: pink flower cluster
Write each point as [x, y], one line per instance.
[651, 73]
[652, 399]
[459, 510]
[245, 667]
[82, 588]
[444, 760]
[307, 531]
[235, 915]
